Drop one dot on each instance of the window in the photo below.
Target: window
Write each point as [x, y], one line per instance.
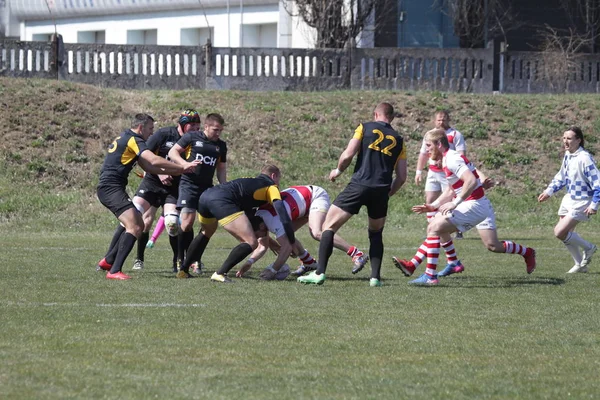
[91, 37]
[142, 36]
[264, 35]
[196, 36]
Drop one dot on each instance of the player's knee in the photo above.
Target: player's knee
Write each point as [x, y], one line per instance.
[172, 224]
[316, 234]
[560, 234]
[253, 242]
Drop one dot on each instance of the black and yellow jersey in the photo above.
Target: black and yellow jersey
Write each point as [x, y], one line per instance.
[248, 193]
[381, 148]
[121, 157]
[198, 147]
[160, 143]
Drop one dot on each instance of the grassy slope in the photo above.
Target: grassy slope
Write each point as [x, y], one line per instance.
[54, 134]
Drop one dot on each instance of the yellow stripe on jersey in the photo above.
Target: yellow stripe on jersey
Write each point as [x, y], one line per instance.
[230, 218]
[130, 152]
[401, 156]
[358, 133]
[188, 151]
[269, 194]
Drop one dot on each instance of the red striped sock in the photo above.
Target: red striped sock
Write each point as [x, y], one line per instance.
[450, 252]
[513, 248]
[433, 252]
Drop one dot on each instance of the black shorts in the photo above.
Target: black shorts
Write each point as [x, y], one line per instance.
[157, 195]
[115, 198]
[214, 205]
[354, 196]
[189, 195]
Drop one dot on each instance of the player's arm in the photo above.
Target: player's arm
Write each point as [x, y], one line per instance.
[459, 143]
[175, 154]
[469, 184]
[222, 172]
[256, 255]
[284, 252]
[400, 178]
[445, 197]
[348, 154]
[154, 164]
[285, 221]
[421, 163]
[557, 184]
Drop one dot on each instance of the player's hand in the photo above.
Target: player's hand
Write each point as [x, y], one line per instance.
[423, 208]
[189, 167]
[543, 197]
[334, 174]
[166, 180]
[488, 183]
[418, 179]
[590, 211]
[245, 268]
[447, 208]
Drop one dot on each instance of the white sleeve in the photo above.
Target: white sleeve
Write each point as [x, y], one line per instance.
[456, 164]
[423, 148]
[459, 142]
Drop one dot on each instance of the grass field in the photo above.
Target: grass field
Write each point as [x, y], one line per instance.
[491, 332]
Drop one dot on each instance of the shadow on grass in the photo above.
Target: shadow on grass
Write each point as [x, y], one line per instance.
[489, 282]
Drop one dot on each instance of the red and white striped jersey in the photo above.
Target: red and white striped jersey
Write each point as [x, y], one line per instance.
[456, 141]
[297, 200]
[455, 165]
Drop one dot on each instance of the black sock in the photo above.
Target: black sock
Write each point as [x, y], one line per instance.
[238, 253]
[195, 251]
[124, 248]
[325, 250]
[174, 242]
[185, 238]
[113, 247]
[141, 247]
[376, 252]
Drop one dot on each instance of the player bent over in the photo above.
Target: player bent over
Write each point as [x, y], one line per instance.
[303, 204]
[470, 207]
[228, 204]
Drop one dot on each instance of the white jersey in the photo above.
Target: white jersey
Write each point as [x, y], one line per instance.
[580, 176]
[455, 165]
[456, 141]
[299, 202]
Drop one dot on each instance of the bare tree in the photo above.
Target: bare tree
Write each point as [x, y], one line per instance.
[337, 22]
[583, 17]
[478, 21]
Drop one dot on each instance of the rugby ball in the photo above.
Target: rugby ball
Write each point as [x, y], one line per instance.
[283, 272]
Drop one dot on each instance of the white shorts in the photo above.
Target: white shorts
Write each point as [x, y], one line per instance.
[436, 181]
[474, 213]
[320, 203]
[574, 208]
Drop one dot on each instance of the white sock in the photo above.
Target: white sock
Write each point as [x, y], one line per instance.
[575, 239]
[575, 253]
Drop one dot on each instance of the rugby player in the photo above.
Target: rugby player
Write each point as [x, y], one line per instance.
[229, 205]
[381, 153]
[469, 208]
[303, 204]
[127, 149]
[208, 148]
[163, 190]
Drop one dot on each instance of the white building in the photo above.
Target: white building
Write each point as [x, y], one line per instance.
[228, 23]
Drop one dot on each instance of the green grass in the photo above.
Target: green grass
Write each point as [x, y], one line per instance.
[491, 332]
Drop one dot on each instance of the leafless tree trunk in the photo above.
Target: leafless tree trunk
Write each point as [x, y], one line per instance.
[583, 17]
[478, 21]
[337, 22]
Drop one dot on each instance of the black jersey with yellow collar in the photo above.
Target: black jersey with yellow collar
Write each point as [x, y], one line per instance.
[248, 193]
[381, 148]
[198, 147]
[121, 157]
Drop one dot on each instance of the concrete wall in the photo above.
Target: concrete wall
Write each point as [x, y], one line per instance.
[226, 68]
